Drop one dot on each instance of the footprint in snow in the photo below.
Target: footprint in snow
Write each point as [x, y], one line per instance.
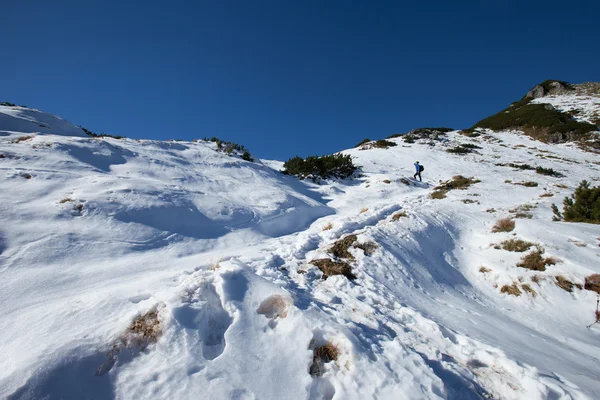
[205, 319]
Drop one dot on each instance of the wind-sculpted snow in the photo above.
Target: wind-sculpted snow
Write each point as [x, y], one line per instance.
[96, 232]
[28, 120]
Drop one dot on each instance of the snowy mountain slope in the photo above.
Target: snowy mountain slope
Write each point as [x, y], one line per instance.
[30, 120]
[95, 232]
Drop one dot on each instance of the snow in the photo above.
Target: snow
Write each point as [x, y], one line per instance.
[96, 231]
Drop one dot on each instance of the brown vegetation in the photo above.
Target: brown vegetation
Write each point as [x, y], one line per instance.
[22, 139]
[513, 289]
[457, 182]
[274, 306]
[592, 283]
[331, 268]
[535, 262]
[566, 284]
[322, 355]
[398, 215]
[503, 225]
[526, 287]
[516, 245]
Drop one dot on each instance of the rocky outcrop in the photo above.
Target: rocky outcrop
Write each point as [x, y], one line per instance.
[549, 88]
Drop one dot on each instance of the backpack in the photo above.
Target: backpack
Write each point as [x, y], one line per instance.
[421, 168]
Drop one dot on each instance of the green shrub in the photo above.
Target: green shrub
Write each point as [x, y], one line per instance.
[582, 206]
[99, 135]
[518, 166]
[247, 156]
[526, 184]
[315, 167]
[7, 104]
[408, 139]
[429, 131]
[464, 148]
[230, 148]
[539, 121]
[548, 171]
[364, 141]
[383, 144]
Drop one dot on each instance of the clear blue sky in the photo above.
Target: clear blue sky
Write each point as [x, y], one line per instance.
[288, 77]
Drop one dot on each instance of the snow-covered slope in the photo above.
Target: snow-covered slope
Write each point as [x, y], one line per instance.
[30, 120]
[96, 232]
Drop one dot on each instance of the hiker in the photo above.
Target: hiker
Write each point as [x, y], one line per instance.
[419, 168]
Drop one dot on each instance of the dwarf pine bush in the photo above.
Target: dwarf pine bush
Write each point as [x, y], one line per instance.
[323, 167]
[582, 206]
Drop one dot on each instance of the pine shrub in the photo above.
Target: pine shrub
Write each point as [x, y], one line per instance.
[582, 206]
[323, 167]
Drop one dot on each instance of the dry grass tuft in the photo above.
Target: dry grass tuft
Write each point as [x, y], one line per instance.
[526, 184]
[513, 289]
[504, 225]
[367, 247]
[438, 194]
[566, 284]
[398, 215]
[387, 181]
[364, 210]
[484, 270]
[526, 287]
[457, 182]
[322, 355]
[546, 195]
[274, 306]
[405, 181]
[535, 262]
[331, 268]
[516, 245]
[577, 243]
[592, 283]
[537, 279]
[328, 226]
[340, 248]
[66, 200]
[561, 185]
[143, 331]
[490, 210]
[22, 139]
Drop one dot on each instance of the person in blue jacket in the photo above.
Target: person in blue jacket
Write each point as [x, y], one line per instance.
[419, 168]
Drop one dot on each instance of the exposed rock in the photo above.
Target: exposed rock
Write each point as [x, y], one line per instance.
[549, 88]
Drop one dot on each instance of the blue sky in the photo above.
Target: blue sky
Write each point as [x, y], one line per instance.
[288, 77]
